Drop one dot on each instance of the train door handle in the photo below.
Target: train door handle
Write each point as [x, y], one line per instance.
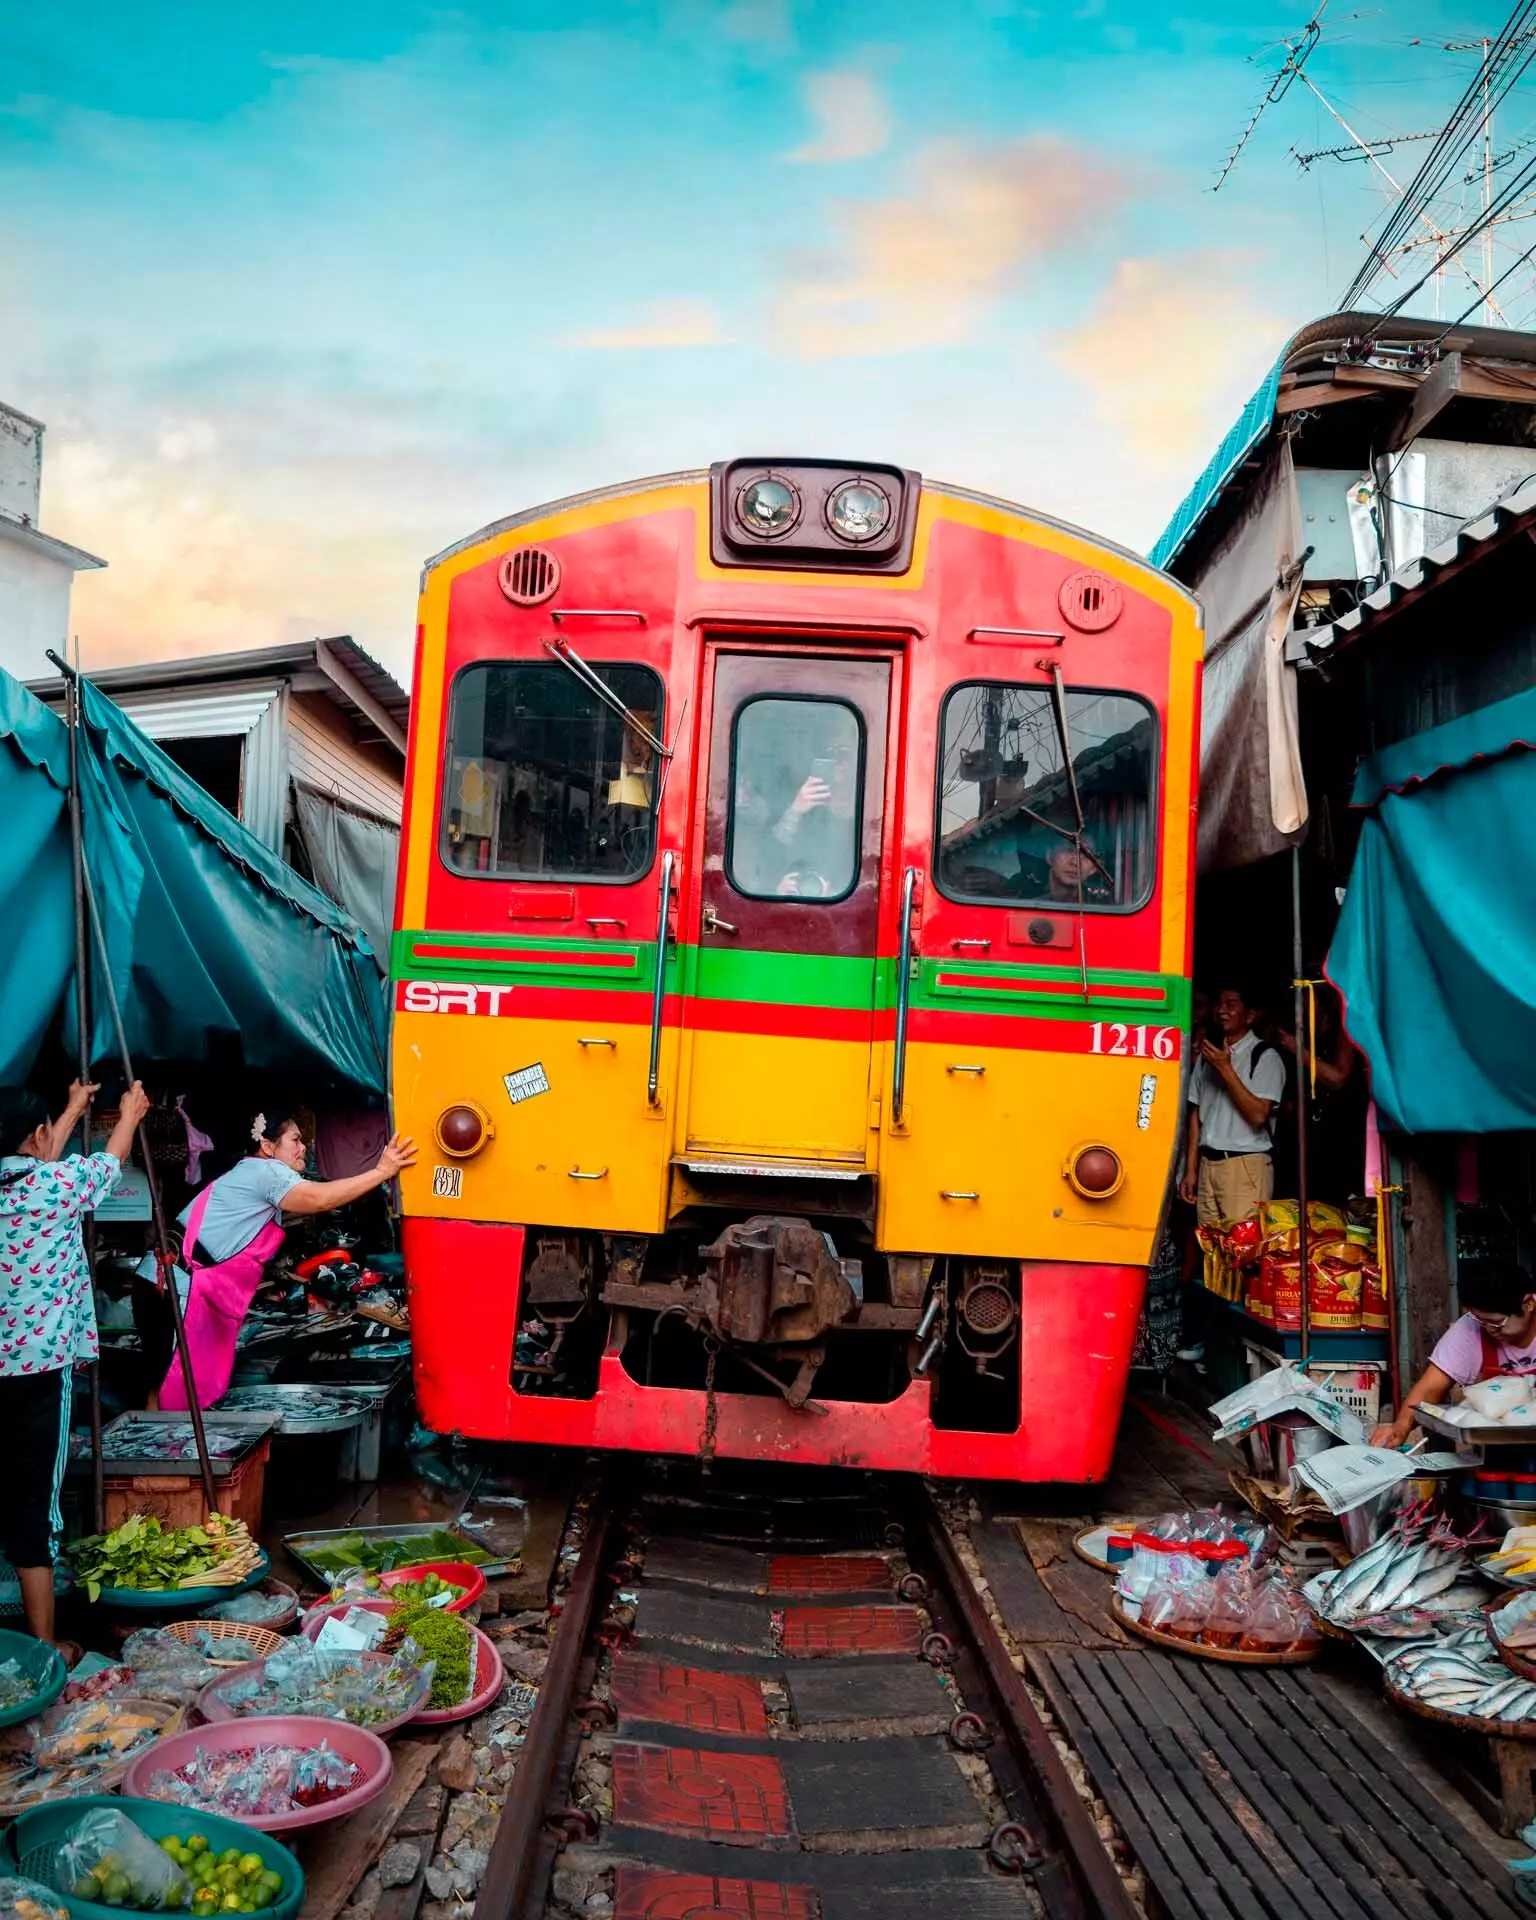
[958, 1193]
[577, 1174]
[903, 999]
[956, 1066]
[659, 981]
[714, 924]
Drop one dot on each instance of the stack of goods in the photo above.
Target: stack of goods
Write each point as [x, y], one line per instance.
[1399, 1588]
[144, 1556]
[1207, 1578]
[108, 1860]
[1461, 1677]
[256, 1782]
[1256, 1263]
[1507, 1400]
[1515, 1561]
[367, 1689]
[73, 1747]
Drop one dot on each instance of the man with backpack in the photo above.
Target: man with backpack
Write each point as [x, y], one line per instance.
[1235, 1091]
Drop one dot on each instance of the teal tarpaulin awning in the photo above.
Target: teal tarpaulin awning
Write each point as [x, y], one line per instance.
[1435, 952]
[211, 938]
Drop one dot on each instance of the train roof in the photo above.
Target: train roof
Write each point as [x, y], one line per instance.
[698, 476]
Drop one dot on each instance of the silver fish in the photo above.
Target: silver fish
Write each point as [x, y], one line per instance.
[1439, 1576]
[1401, 1577]
[1353, 1581]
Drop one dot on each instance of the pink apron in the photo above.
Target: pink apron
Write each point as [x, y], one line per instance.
[220, 1299]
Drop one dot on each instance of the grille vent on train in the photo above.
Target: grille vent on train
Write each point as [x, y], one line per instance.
[529, 575]
[1090, 601]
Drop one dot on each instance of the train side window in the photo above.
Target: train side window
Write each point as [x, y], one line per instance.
[797, 775]
[1006, 816]
[544, 780]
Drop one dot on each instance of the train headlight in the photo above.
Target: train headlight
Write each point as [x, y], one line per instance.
[858, 511]
[1094, 1172]
[767, 506]
[463, 1130]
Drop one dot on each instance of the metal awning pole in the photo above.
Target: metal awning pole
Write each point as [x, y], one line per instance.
[83, 1065]
[162, 1238]
[1305, 1040]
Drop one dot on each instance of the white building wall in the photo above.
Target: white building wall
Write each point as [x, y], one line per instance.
[34, 607]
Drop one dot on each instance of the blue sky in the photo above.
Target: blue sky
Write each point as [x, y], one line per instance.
[304, 294]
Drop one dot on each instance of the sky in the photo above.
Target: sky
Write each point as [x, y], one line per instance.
[305, 294]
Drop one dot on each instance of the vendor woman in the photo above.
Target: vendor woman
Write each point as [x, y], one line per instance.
[47, 1319]
[1495, 1334]
[231, 1231]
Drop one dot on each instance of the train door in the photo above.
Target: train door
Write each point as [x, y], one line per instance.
[782, 998]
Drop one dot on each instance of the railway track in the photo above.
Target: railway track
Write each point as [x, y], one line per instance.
[785, 1699]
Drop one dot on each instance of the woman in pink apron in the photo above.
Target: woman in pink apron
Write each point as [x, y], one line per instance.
[231, 1231]
[1495, 1335]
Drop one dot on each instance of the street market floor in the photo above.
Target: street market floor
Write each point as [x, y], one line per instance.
[1211, 1792]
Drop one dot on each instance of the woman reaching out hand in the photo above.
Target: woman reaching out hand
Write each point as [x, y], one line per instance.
[231, 1231]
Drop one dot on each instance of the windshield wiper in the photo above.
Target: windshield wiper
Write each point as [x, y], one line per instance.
[1075, 834]
[595, 684]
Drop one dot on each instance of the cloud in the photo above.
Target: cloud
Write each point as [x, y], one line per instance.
[924, 267]
[853, 120]
[667, 323]
[1172, 347]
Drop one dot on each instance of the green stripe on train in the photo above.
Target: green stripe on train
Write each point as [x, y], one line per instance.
[803, 979]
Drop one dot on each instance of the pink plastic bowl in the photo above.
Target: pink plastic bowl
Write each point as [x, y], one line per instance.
[211, 1705]
[489, 1672]
[363, 1748]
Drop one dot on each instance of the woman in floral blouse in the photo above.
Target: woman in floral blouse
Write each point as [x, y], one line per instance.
[47, 1317]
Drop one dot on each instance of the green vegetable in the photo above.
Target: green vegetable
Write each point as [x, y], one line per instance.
[384, 1556]
[445, 1638]
[142, 1554]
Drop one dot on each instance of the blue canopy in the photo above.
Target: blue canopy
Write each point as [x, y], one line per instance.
[209, 934]
[1435, 951]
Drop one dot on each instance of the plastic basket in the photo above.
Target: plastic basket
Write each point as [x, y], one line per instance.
[456, 1573]
[37, 1837]
[211, 1705]
[42, 1664]
[362, 1747]
[261, 1640]
[489, 1675]
[180, 1599]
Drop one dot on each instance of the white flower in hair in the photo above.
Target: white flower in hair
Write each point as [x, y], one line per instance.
[259, 1128]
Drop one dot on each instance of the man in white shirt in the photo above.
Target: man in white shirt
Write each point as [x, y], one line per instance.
[1234, 1093]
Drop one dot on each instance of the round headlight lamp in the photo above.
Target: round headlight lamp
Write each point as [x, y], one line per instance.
[1094, 1172]
[858, 511]
[463, 1130]
[767, 507]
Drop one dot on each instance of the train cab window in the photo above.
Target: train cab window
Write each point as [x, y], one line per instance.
[545, 781]
[1007, 818]
[797, 771]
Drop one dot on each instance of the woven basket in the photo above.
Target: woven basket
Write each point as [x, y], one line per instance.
[262, 1641]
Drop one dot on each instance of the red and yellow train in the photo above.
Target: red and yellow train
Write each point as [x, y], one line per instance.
[791, 985]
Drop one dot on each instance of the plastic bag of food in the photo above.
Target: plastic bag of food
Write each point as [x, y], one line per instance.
[26, 1900]
[1226, 1616]
[365, 1688]
[165, 1667]
[256, 1782]
[1279, 1619]
[258, 1608]
[352, 1584]
[104, 1857]
[93, 1730]
[1180, 1606]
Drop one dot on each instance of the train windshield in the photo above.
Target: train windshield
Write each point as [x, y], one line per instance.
[796, 778]
[1007, 817]
[547, 781]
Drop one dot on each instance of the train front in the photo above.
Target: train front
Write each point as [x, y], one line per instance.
[791, 983]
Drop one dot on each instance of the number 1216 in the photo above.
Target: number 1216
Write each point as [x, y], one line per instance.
[1141, 1043]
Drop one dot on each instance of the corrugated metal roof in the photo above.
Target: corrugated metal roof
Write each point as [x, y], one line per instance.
[1516, 508]
[159, 678]
[1250, 427]
[198, 715]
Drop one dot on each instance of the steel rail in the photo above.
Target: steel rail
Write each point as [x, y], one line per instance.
[1076, 1875]
[513, 1888]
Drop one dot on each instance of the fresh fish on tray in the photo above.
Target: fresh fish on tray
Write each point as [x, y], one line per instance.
[1462, 1675]
[1406, 1570]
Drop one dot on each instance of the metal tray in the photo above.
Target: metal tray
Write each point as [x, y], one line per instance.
[299, 1545]
[120, 1455]
[1495, 1434]
[299, 1409]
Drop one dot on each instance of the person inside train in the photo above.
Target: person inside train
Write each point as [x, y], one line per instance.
[1495, 1334]
[809, 846]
